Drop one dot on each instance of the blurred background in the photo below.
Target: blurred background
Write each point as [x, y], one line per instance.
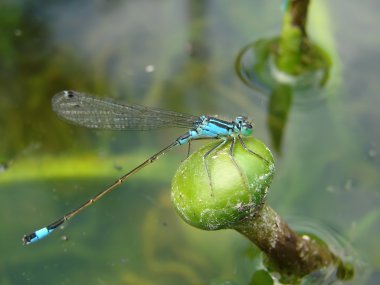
[181, 56]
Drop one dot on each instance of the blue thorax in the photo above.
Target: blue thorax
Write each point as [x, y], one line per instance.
[211, 127]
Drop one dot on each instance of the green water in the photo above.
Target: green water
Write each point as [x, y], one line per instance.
[176, 55]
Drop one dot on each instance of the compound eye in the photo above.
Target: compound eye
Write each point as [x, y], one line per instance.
[246, 129]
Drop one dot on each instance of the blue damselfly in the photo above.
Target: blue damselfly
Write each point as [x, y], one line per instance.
[92, 112]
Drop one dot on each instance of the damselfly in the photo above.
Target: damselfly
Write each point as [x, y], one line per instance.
[91, 112]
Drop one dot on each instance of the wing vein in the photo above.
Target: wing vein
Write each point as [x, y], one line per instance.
[85, 110]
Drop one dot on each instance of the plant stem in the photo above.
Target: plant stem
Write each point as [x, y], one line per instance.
[293, 47]
[298, 12]
[288, 253]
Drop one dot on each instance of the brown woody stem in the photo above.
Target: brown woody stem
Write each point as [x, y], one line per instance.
[288, 253]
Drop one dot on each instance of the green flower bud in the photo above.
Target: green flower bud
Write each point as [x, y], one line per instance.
[232, 188]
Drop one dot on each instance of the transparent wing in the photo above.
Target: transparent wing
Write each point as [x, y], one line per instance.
[92, 112]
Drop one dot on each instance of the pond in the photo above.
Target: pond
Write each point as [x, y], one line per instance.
[180, 56]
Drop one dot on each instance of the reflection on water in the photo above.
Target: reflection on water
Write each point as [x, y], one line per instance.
[134, 236]
[256, 68]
